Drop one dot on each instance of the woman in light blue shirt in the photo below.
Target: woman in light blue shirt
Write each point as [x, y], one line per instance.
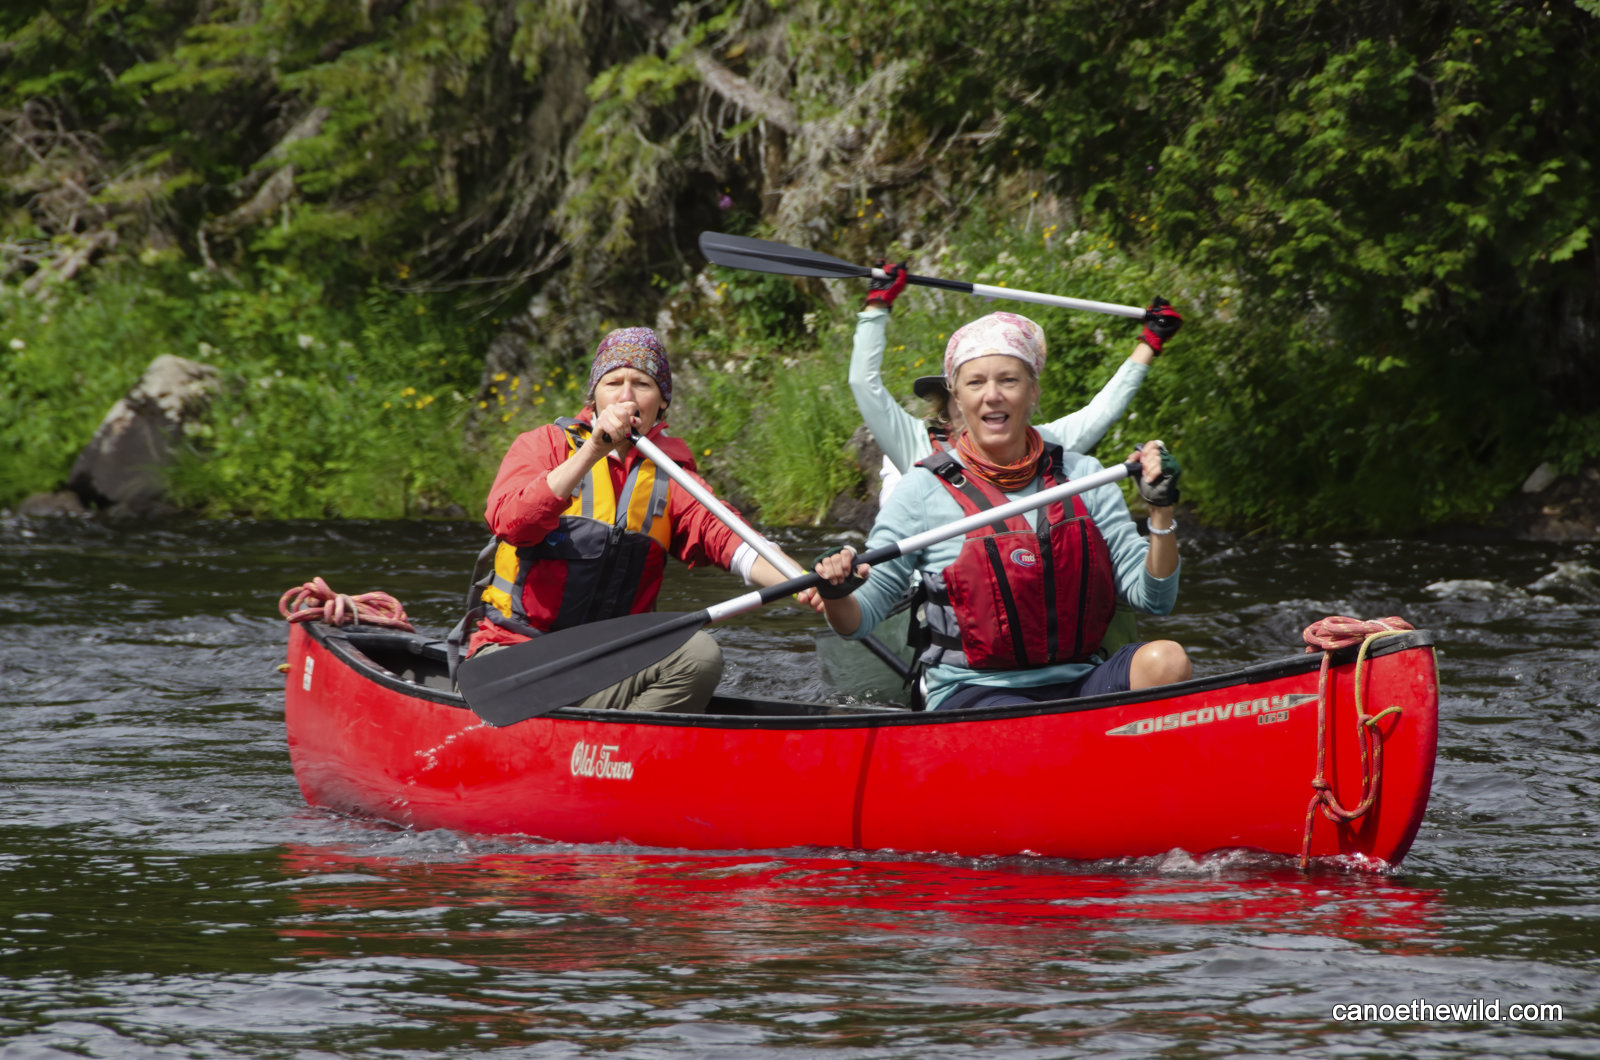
[993, 366]
[905, 438]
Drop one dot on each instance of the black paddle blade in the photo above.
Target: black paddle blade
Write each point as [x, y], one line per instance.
[561, 668]
[763, 255]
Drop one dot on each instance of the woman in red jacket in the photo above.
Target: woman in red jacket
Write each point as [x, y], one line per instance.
[585, 524]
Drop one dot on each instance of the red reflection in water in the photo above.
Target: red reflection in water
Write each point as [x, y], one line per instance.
[756, 894]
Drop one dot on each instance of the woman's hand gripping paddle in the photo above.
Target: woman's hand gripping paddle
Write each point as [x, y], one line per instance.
[763, 255]
[561, 668]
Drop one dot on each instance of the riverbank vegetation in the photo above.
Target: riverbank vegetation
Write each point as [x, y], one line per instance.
[399, 227]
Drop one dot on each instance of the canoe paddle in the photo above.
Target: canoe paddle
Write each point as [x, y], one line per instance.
[763, 255]
[561, 668]
[763, 548]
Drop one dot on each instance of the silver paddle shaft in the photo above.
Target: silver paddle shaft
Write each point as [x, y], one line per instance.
[763, 548]
[961, 527]
[983, 290]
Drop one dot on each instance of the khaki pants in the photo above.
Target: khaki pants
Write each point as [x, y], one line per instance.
[681, 683]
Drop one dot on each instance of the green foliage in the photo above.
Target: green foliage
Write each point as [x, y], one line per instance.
[294, 126]
[771, 426]
[335, 411]
[60, 50]
[759, 308]
[1574, 441]
[378, 88]
[61, 369]
[1303, 434]
[617, 171]
[328, 409]
[1403, 195]
[1377, 219]
[1320, 149]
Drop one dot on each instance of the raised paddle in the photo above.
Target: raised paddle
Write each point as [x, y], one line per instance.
[763, 255]
[559, 669]
[764, 548]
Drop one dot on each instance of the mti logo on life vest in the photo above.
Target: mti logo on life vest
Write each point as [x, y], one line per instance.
[1024, 558]
[1264, 710]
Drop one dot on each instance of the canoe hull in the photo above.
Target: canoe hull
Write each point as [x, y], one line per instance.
[1210, 765]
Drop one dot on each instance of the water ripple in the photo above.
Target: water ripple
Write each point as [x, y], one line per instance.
[167, 892]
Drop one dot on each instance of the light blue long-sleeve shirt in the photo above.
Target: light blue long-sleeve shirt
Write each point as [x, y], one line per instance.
[904, 437]
[921, 503]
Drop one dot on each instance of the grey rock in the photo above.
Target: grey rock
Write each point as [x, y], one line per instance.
[858, 508]
[123, 466]
[49, 504]
[1541, 479]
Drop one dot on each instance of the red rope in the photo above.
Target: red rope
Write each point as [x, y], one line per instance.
[315, 601]
[1338, 631]
[1327, 635]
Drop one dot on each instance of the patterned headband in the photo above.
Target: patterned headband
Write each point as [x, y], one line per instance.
[1008, 334]
[636, 348]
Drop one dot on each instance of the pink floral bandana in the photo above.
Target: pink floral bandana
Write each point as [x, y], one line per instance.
[1009, 334]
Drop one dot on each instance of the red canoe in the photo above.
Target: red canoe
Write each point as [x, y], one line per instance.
[1216, 763]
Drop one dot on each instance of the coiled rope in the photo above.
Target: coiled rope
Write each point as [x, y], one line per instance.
[1328, 635]
[315, 601]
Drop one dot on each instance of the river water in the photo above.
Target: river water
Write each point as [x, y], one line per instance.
[165, 892]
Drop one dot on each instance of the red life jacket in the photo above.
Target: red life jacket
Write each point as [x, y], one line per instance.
[604, 559]
[1017, 597]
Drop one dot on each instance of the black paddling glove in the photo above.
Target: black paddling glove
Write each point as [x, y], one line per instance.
[829, 591]
[1163, 492]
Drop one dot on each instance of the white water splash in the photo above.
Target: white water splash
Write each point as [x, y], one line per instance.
[1574, 575]
[430, 756]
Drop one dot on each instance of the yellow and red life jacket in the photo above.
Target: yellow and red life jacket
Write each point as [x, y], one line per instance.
[603, 559]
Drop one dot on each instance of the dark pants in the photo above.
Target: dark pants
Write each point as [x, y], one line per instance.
[1110, 676]
[682, 682]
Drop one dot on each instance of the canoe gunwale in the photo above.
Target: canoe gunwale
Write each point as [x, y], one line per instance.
[345, 643]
